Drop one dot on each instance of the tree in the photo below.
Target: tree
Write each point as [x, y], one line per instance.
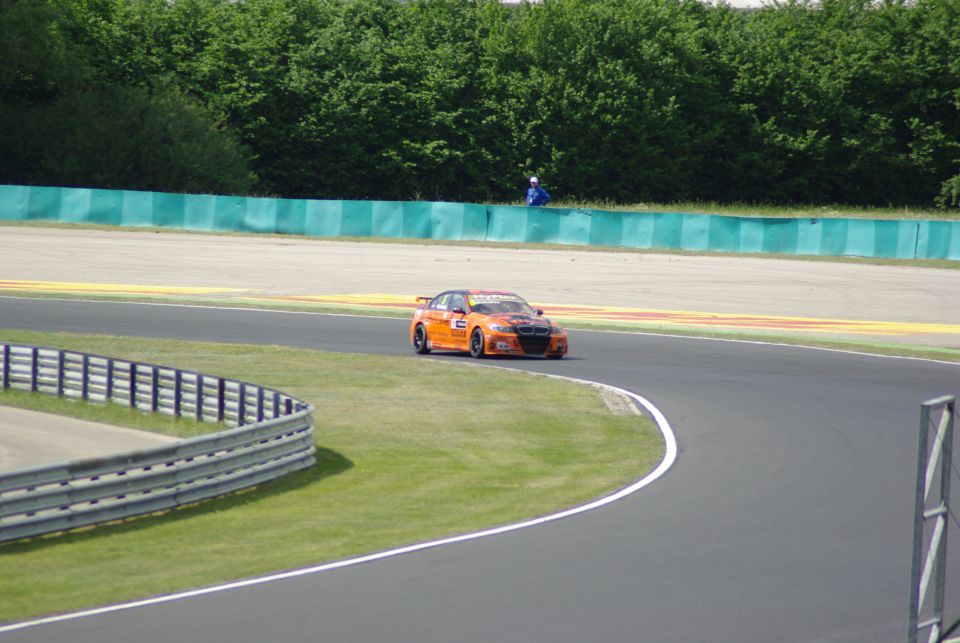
[81, 120]
[139, 138]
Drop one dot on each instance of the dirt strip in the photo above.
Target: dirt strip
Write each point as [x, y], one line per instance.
[28, 438]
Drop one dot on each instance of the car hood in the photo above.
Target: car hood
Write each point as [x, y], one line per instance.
[520, 319]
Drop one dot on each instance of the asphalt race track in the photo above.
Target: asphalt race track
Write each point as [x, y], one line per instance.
[787, 517]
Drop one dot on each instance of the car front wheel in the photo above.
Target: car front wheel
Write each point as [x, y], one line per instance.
[476, 343]
[420, 344]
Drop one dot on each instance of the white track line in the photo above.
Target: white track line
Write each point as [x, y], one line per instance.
[670, 456]
[760, 342]
[756, 342]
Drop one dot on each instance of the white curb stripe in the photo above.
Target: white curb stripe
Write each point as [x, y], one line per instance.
[670, 456]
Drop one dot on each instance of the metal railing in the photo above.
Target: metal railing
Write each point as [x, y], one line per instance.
[269, 434]
[931, 510]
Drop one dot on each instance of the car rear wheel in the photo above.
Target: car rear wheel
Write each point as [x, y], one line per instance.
[420, 344]
[476, 343]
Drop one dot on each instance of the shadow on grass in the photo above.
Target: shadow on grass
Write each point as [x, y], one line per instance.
[329, 463]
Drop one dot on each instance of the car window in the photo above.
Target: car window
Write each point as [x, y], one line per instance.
[441, 302]
[457, 301]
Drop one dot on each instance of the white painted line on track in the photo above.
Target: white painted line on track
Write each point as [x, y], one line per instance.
[760, 342]
[755, 342]
[201, 306]
[669, 457]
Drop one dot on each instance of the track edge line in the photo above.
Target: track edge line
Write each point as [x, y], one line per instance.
[669, 457]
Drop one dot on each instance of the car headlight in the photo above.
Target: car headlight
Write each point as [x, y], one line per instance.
[500, 328]
[557, 330]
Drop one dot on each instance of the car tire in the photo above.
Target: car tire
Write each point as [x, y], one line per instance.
[420, 342]
[476, 344]
[559, 356]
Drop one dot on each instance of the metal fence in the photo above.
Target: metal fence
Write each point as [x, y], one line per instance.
[269, 434]
[931, 509]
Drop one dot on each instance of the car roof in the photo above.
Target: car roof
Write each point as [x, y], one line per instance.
[474, 291]
[490, 292]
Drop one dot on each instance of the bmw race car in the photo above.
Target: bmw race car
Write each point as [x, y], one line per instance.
[484, 322]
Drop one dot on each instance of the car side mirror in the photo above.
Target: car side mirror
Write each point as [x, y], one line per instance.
[459, 311]
[540, 312]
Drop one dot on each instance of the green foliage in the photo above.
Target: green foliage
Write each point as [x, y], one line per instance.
[847, 100]
[950, 193]
[598, 99]
[93, 108]
[125, 137]
[36, 57]
[850, 101]
[153, 138]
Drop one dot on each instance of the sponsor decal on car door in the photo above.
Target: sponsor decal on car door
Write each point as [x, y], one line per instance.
[458, 322]
[458, 330]
[440, 321]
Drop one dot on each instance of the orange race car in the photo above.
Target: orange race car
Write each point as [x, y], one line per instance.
[484, 322]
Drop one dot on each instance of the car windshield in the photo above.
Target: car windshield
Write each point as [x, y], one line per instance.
[494, 306]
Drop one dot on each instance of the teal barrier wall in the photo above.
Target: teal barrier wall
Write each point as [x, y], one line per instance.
[245, 214]
[894, 239]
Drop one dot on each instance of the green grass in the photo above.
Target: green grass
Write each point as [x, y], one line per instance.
[409, 450]
[769, 210]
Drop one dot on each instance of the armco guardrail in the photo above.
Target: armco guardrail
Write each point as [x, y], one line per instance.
[891, 238]
[270, 434]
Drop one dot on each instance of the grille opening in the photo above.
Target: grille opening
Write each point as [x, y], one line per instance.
[528, 329]
[534, 344]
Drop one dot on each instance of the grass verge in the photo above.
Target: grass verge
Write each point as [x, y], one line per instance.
[800, 210]
[743, 209]
[409, 450]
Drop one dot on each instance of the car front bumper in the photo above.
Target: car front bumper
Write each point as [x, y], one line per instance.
[512, 344]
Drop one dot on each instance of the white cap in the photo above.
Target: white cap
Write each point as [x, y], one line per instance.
[534, 179]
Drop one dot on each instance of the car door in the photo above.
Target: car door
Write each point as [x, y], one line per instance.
[457, 322]
[438, 321]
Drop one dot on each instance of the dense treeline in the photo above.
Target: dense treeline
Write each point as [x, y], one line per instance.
[846, 101]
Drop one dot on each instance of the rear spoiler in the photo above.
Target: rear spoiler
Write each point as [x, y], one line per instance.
[423, 301]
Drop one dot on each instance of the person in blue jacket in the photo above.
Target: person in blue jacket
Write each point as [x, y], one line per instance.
[536, 195]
